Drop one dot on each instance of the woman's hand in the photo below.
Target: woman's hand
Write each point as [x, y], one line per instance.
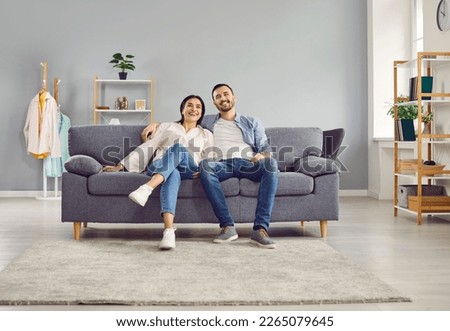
[149, 129]
[116, 168]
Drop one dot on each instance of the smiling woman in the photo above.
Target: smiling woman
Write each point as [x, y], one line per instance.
[178, 149]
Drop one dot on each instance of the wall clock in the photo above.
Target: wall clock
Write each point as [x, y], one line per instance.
[443, 16]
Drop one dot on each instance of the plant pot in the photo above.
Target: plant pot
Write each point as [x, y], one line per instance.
[426, 128]
[123, 75]
[405, 130]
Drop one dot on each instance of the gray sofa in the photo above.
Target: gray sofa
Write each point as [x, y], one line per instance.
[308, 182]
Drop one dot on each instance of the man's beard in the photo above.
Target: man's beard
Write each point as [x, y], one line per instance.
[226, 107]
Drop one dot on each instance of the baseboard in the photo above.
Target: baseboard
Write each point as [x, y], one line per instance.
[31, 194]
[353, 193]
[378, 196]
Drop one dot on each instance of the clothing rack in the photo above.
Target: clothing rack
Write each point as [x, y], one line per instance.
[45, 193]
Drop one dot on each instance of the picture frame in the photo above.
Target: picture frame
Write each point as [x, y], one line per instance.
[139, 104]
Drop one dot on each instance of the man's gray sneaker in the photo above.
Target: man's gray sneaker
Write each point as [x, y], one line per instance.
[261, 238]
[227, 234]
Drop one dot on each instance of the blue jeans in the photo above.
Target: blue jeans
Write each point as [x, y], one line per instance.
[175, 165]
[264, 171]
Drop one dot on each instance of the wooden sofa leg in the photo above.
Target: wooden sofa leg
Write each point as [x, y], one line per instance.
[323, 228]
[85, 224]
[302, 223]
[76, 230]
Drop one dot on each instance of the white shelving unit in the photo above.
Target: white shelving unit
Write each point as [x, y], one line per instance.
[427, 63]
[106, 91]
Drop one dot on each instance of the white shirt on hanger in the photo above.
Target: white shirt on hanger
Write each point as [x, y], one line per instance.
[42, 128]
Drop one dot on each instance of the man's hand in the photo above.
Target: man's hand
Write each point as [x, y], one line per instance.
[259, 156]
[150, 129]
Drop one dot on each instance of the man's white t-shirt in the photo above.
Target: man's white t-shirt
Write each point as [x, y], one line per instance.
[229, 141]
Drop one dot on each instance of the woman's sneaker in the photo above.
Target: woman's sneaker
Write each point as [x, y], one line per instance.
[140, 196]
[168, 240]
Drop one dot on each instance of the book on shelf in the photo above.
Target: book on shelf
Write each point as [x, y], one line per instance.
[405, 130]
[398, 130]
[437, 57]
[427, 87]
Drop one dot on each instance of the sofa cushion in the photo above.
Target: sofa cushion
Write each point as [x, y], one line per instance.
[82, 165]
[123, 183]
[193, 188]
[108, 144]
[289, 144]
[289, 183]
[316, 166]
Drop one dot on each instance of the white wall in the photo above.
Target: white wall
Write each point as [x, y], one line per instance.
[290, 62]
[438, 41]
[434, 39]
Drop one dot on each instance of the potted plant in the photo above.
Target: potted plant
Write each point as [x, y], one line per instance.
[426, 120]
[408, 113]
[123, 63]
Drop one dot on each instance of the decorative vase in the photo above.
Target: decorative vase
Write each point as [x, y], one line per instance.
[124, 105]
[118, 104]
[426, 128]
[123, 75]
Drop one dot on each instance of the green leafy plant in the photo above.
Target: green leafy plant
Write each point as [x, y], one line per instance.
[410, 111]
[404, 112]
[123, 63]
[427, 118]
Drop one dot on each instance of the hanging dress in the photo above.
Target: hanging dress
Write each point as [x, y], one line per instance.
[54, 166]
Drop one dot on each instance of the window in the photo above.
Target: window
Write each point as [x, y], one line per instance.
[417, 28]
[399, 37]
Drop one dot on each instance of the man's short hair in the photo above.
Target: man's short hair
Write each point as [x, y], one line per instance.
[218, 86]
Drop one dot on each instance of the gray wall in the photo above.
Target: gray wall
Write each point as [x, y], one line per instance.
[290, 62]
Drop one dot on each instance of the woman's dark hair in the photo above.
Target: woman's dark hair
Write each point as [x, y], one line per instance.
[183, 104]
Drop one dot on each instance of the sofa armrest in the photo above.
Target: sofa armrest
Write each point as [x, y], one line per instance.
[316, 166]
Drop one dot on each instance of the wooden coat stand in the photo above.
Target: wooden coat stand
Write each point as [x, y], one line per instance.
[45, 193]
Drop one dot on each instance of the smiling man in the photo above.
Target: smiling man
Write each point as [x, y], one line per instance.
[242, 152]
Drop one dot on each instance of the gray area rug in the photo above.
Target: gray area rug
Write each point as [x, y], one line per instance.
[127, 272]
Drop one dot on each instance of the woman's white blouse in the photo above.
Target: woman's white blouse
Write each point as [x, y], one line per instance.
[197, 141]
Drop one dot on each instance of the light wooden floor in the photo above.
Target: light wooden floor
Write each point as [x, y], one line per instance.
[413, 259]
